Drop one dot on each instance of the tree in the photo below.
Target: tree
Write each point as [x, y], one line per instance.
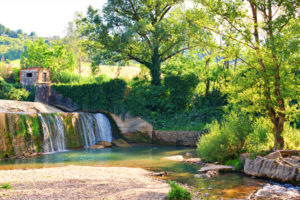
[148, 32]
[41, 54]
[264, 37]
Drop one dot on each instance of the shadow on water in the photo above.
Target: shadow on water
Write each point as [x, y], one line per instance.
[228, 186]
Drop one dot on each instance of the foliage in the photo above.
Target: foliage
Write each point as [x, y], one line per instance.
[6, 186]
[178, 192]
[237, 163]
[226, 140]
[106, 96]
[265, 43]
[53, 56]
[148, 32]
[13, 91]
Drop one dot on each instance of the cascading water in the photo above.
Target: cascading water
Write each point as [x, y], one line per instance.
[104, 128]
[48, 145]
[95, 128]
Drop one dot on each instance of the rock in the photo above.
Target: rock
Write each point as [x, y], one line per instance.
[243, 156]
[298, 178]
[159, 173]
[134, 129]
[120, 143]
[206, 194]
[270, 168]
[219, 168]
[175, 158]
[96, 146]
[273, 155]
[209, 188]
[275, 192]
[208, 174]
[105, 144]
[196, 161]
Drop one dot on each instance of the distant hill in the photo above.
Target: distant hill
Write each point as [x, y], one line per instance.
[12, 42]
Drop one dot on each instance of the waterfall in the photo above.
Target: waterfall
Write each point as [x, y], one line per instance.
[104, 128]
[53, 132]
[95, 128]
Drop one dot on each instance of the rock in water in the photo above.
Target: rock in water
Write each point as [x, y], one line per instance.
[270, 168]
[96, 146]
[213, 167]
[175, 158]
[276, 192]
[120, 143]
[105, 144]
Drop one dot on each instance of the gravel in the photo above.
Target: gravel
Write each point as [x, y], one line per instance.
[82, 182]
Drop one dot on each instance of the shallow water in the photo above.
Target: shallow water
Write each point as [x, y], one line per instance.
[228, 186]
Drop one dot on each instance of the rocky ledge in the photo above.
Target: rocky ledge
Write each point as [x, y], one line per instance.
[275, 167]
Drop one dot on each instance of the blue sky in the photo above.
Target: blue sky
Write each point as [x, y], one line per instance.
[45, 17]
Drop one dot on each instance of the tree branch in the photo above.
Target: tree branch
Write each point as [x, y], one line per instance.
[175, 53]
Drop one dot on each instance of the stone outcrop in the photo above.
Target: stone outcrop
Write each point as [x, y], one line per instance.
[279, 169]
[134, 129]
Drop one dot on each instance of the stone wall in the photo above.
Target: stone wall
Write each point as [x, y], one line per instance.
[180, 138]
[42, 93]
[29, 77]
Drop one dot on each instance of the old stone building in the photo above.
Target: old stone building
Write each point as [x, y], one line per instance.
[29, 77]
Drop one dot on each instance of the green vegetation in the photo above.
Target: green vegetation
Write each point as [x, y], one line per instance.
[178, 192]
[5, 186]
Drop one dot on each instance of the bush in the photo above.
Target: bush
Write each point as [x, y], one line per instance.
[237, 163]
[6, 186]
[178, 192]
[12, 91]
[226, 140]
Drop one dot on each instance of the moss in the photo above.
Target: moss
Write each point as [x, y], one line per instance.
[72, 136]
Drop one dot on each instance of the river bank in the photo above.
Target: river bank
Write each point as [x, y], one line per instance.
[82, 182]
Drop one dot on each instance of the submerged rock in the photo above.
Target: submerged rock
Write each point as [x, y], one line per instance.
[105, 144]
[175, 158]
[196, 161]
[208, 174]
[96, 146]
[275, 192]
[120, 143]
[279, 170]
[219, 168]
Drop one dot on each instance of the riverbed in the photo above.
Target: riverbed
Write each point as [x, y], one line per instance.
[228, 186]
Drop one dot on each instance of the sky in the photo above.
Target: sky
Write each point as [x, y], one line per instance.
[44, 17]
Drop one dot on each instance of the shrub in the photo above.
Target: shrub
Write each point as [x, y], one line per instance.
[237, 163]
[226, 140]
[178, 192]
[6, 186]
[12, 91]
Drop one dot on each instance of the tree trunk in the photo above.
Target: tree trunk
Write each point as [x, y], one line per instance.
[278, 123]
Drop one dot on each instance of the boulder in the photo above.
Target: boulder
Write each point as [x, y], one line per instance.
[275, 192]
[219, 168]
[120, 143]
[134, 129]
[270, 168]
[105, 144]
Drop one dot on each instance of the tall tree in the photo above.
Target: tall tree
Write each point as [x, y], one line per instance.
[149, 32]
[264, 36]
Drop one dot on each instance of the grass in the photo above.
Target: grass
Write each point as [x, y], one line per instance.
[5, 186]
[178, 192]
